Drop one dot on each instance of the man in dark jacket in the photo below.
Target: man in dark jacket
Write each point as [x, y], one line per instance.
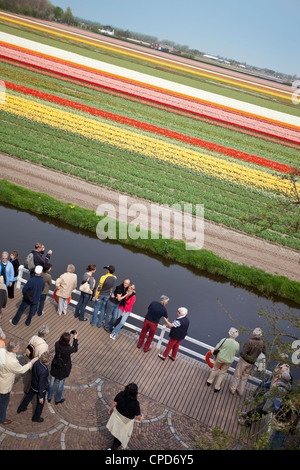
[31, 296]
[155, 311]
[38, 260]
[250, 352]
[39, 387]
[179, 329]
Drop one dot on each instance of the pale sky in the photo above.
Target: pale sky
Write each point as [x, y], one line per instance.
[263, 33]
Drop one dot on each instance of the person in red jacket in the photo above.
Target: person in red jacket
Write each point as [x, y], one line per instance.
[126, 306]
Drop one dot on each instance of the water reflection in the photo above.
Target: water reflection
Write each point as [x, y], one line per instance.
[206, 297]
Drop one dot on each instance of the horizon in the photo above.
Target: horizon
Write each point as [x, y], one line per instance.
[268, 40]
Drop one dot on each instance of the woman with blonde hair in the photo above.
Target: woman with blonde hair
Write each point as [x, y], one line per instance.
[126, 305]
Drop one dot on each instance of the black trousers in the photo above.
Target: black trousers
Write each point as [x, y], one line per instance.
[27, 399]
[116, 444]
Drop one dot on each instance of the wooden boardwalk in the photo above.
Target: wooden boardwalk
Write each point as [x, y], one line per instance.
[180, 385]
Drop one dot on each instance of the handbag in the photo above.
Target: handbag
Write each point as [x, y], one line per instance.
[85, 287]
[216, 351]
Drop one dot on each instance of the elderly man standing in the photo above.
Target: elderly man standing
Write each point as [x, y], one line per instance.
[179, 329]
[156, 310]
[250, 352]
[8, 372]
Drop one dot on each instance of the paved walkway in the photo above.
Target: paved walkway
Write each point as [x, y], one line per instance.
[80, 422]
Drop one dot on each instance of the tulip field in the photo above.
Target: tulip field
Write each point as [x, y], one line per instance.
[148, 141]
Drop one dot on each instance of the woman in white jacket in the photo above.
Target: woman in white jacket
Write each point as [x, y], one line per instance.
[65, 285]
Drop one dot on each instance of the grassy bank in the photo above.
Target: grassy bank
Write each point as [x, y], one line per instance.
[204, 260]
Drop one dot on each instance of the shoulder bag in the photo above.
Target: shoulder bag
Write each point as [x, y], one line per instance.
[216, 351]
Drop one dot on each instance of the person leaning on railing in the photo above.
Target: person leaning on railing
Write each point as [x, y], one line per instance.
[179, 329]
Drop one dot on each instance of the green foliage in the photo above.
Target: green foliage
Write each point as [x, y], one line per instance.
[170, 249]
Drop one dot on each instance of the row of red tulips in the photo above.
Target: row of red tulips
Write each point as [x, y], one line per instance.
[150, 128]
[155, 102]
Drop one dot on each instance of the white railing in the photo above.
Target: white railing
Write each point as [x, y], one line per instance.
[160, 338]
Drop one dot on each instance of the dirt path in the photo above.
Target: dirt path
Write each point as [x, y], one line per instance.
[229, 244]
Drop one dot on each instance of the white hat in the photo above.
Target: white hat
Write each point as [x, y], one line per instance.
[257, 332]
[233, 332]
[38, 269]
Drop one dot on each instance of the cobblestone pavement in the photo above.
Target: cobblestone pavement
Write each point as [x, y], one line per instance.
[80, 422]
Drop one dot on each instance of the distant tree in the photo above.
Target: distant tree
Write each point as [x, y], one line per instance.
[68, 17]
[58, 13]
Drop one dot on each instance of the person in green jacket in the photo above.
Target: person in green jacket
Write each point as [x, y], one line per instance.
[229, 347]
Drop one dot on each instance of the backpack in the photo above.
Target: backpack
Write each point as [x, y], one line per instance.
[28, 296]
[29, 262]
[30, 351]
[58, 362]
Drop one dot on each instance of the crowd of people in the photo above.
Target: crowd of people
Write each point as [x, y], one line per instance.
[113, 304]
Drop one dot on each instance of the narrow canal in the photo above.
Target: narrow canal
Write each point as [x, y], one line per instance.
[214, 304]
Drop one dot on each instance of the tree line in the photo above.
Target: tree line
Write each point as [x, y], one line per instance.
[39, 9]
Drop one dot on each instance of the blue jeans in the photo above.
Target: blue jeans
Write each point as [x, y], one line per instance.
[21, 309]
[123, 320]
[101, 303]
[113, 314]
[60, 387]
[41, 304]
[82, 303]
[4, 400]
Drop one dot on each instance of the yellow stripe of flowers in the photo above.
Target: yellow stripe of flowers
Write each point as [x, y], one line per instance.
[148, 146]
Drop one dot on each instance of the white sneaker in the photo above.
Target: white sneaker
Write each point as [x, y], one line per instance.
[112, 336]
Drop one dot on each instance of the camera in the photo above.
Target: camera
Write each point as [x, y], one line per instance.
[73, 332]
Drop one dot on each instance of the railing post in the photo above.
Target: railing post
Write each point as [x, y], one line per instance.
[161, 336]
[20, 276]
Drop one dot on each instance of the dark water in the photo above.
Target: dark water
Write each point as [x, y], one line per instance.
[201, 294]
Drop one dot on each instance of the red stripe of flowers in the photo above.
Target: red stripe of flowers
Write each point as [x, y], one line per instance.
[231, 126]
[194, 113]
[151, 128]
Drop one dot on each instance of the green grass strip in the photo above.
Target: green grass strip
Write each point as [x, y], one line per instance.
[85, 219]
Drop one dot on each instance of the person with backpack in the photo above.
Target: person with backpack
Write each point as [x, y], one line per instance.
[35, 258]
[36, 347]
[61, 364]
[31, 296]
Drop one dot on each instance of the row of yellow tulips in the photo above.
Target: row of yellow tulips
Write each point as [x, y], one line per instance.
[145, 145]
